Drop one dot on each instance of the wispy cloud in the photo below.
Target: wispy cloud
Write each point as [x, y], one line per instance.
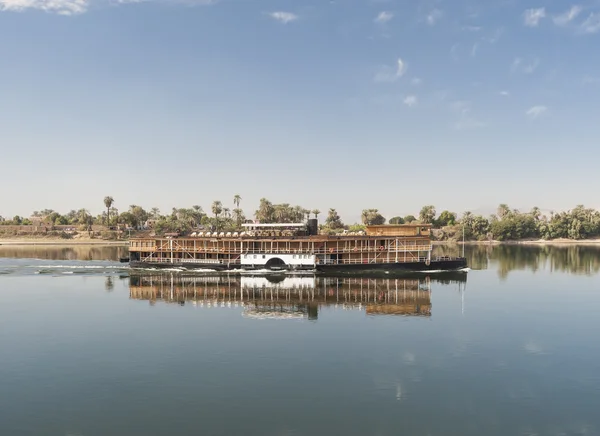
[410, 100]
[76, 7]
[416, 81]
[494, 37]
[591, 24]
[532, 17]
[568, 16]
[466, 120]
[454, 52]
[434, 16]
[528, 67]
[504, 93]
[472, 28]
[391, 74]
[283, 17]
[384, 17]
[536, 111]
[61, 7]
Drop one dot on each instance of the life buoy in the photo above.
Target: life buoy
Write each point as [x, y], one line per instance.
[355, 248]
[331, 250]
[381, 247]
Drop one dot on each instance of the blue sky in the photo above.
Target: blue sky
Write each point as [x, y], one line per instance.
[346, 104]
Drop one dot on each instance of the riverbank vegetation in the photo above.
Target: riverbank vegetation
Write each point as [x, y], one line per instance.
[505, 225]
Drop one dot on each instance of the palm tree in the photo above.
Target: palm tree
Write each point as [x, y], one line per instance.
[238, 215]
[155, 212]
[427, 214]
[316, 212]
[108, 202]
[503, 210]
[236, 200]
[265, 211]
[84, 217]
[536, 213]
[280, 214]
[115, 213]
[217, 208]
[364, 216]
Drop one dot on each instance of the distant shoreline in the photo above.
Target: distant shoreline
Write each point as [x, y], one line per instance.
[531, 242]
[95, 242]
[61, 242]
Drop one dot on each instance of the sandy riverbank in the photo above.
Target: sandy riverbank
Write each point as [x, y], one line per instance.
[63, 242]
[538, 242]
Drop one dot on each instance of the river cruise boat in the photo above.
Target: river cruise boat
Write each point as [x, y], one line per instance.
[380, 248]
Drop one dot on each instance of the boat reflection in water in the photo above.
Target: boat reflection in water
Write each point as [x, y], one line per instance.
[294, 297]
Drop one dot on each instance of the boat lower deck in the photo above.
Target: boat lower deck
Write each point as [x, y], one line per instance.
[441, 264]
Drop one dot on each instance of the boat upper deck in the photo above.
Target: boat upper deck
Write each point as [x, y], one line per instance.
[295, 232]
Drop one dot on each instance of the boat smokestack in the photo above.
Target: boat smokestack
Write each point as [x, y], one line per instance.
[313, 227]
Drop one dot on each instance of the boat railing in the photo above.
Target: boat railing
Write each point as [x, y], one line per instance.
[369, 261]
[330, 250]
[179, 260]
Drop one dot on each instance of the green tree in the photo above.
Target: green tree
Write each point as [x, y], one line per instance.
[265, 211]
[316, 212]
[446, 218]
[333, 220]
[396, 220]
[236, 200]
[409, 219]
[108, 202]
[503, 211]
[427, 214]
[141, 216]
[238, 216]
[217, 209]
[372, 217]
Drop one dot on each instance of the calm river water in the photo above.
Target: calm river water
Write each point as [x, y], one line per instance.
[88, 347]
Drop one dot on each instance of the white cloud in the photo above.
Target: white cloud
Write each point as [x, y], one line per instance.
[504, 93]
[75, 7]
[283, 17]
[62, 7]
[591, 24]
[390, 74]
[515, 65]
[532, 17]
[416, 81]
[434, 16]
[531, 66]
[453, 52]
[527, 68]
[474, 49]
[533, 347]
[568, 16]
[466, 120]
[536, 111]
[384, 17]
[495, 36]
[410, 100]
[472, 28]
